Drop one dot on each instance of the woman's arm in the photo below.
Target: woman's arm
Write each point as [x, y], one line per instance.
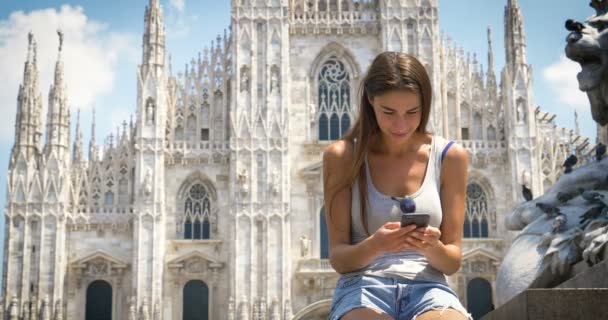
[442, 247]
[344, 256]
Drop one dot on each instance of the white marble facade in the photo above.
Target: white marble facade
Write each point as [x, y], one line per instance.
[214, 190]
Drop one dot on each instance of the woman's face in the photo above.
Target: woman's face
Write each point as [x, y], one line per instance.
[398, 113]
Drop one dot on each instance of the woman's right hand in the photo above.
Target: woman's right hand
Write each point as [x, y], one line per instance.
[391, 237]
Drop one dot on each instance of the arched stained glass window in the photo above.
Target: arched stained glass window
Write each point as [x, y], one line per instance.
[476, 213]
[197, 213]
[333, 99]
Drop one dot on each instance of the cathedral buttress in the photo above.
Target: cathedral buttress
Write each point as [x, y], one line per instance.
[259, 162]
[518, 105]
[149, 217]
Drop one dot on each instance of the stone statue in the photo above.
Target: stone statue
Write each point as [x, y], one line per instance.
[274, 83]
[287, 314]
[45, 313]
[263, 308]
[132, 307]
[231, 308]
[58, 310]
[244, 309]
[244, 80]
[569, 222]
[146, 186]
[242, 179]
[150, 110]
[304, 246]
[144, 312]
[275, 182]
[557, 229]
[275, 313]
[156, 311]
[587, 44]
[13, 309]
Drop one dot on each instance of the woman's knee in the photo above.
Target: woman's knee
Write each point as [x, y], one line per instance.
[366, 313]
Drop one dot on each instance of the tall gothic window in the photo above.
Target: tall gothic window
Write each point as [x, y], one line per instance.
[334, 100]
[324, 236]
[476, 213]
[197, 209]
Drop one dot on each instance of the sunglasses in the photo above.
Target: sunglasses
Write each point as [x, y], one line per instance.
[406, 205]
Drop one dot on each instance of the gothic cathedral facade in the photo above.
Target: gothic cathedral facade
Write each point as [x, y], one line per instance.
[209, 204]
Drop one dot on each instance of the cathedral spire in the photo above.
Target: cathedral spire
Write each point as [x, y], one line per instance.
[93, 155]
[491, 76]
[490, 54]
[154, 36]
[28, 122]
[77, 148]
[515, 38]
[58, 114]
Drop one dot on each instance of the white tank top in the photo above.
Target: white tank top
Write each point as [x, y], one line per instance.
[409, 264]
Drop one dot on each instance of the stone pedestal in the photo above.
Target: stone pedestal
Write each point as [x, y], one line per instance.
[556, 303]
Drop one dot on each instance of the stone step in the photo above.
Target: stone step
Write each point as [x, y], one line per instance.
[555, 303]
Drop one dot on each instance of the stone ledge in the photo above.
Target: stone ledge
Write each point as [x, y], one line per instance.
[557, 303]
[592, 277]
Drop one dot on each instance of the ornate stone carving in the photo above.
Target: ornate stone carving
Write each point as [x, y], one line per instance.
[304, 246]
[13, 309]
[244, 309]
[132, 308]
[243, 180]
[96, 269]
[553, 228]
[59, 310]
[588, 48]
[150, 110]
[144, 313]
[146, 183]
[231, 308]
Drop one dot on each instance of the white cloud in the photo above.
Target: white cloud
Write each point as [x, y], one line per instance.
[90, 55]
[178, 4]
[178, 21]
[561, 77]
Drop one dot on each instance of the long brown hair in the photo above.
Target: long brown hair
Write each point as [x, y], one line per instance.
[389, 71]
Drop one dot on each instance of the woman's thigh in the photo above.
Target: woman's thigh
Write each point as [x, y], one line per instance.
[448, 314]
[366, 313]
[363, 297]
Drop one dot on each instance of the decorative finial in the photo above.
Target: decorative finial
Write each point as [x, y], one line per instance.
[599, 6]
[60, 34]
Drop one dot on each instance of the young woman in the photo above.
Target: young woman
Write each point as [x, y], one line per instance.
[388, 271]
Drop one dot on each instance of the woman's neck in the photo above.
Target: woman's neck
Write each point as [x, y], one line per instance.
[382, 145]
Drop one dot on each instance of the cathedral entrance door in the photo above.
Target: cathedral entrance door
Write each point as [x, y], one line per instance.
[99, 301]
[196, 301]
[479, 297]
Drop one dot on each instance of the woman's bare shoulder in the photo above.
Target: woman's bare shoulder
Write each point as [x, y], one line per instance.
[338, 155]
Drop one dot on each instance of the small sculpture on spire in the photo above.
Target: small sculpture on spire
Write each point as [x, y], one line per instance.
[60, 34]
[600, 6]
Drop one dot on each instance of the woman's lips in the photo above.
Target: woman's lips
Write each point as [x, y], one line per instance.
[399, 135]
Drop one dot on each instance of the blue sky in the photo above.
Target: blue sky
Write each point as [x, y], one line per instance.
[103, 47]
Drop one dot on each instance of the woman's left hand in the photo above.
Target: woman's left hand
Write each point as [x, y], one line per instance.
[424, 238]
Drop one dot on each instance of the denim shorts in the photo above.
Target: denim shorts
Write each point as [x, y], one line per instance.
[400, 298]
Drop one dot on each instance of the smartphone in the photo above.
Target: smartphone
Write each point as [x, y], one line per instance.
[419, 219]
